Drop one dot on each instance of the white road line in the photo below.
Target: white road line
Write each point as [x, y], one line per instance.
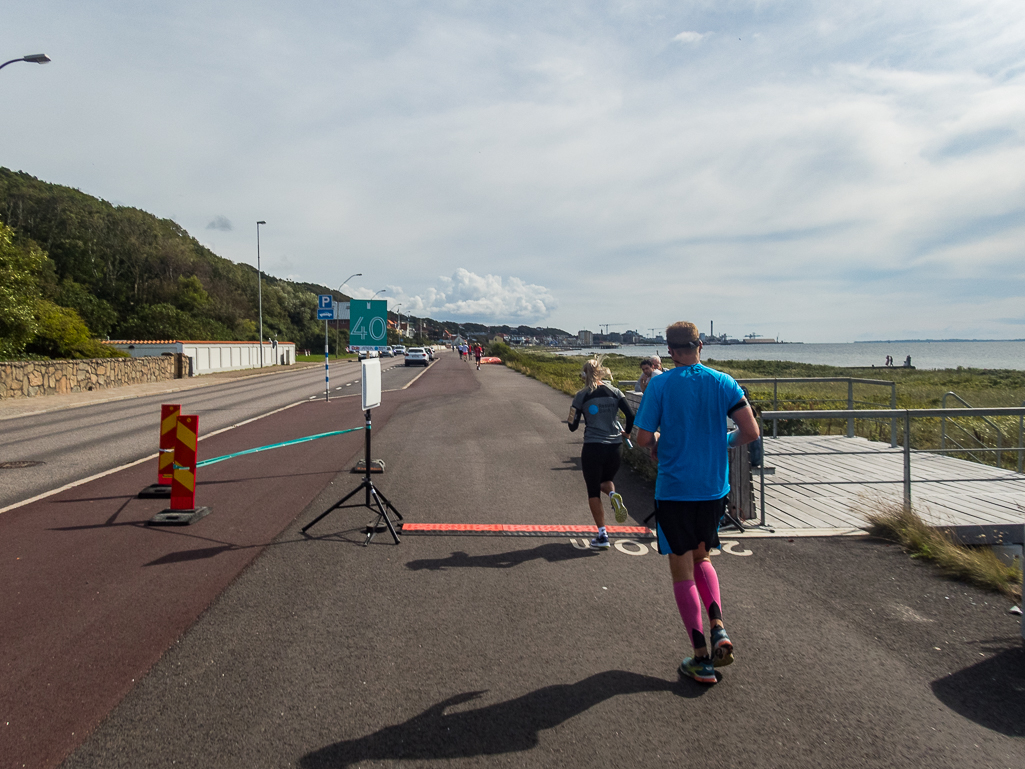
[105, 473]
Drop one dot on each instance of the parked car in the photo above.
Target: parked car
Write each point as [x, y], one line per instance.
[417, 356]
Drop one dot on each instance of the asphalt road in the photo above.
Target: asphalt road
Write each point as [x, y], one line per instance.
[81, 442]
[456, 651]
[535, 652]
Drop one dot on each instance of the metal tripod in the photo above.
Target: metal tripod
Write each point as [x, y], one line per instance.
[380, 505]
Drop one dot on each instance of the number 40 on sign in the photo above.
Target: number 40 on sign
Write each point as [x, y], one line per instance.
[368, 323]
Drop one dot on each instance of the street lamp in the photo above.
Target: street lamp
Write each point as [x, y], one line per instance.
[398, 324]
[354, 275]
[378, 292]
[259, 287]
[35, 58]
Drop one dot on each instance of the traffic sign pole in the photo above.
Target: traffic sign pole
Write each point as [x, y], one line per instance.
[326, 311]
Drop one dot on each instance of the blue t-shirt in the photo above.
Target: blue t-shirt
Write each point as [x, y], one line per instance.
[689, 406]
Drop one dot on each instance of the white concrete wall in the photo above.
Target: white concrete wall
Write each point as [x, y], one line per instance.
[210, 357]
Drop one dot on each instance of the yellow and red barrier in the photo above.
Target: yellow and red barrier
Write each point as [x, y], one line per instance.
[183, 483]
[168, 432]
[183, 442]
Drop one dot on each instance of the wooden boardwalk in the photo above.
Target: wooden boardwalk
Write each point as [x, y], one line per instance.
[831, 482]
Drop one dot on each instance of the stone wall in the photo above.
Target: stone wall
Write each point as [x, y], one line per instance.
[26, 379]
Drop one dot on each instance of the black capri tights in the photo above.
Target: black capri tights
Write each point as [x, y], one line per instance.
[600, 463]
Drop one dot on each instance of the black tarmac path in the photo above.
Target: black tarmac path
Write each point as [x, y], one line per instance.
[460, 650]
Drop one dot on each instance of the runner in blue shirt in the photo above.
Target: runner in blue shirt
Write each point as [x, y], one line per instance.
[682, 419]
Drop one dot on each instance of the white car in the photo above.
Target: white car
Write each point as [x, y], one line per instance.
[399, 349]
[364, 354]
[417, 356]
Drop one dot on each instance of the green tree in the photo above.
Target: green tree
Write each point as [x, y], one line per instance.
[61, 333]
[98, 314]
[191, 297]
[19, 271]
[160, 321]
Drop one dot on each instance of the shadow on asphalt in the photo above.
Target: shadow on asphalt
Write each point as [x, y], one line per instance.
[573, 464]
[553, 553]
[191, 555]
[505, 727]
[989, 693]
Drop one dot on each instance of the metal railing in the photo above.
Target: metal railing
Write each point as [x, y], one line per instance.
[851, 381]
[905, 415]
[974, 436]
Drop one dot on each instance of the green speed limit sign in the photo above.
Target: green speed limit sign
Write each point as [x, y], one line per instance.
[368, 323]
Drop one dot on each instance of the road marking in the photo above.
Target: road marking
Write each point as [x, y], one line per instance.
[728, 545]
[105, 473]
[621, 546]
[149, 458]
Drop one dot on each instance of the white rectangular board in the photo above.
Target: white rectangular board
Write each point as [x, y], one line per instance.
[371, 383]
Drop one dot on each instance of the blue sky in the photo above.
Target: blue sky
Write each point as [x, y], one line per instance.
[820, 171]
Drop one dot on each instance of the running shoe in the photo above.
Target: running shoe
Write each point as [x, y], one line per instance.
[722, 647]
[618, 506]
[601, 542]
[698, 668]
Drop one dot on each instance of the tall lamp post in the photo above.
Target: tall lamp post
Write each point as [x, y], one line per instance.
[398, 323]
[259, 286]
[35, 58]
[354, 275]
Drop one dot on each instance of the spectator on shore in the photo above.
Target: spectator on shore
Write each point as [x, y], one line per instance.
[648, 371]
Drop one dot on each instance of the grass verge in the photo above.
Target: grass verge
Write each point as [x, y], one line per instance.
[975, 565]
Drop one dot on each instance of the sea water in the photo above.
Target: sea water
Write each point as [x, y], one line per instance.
[924, 355]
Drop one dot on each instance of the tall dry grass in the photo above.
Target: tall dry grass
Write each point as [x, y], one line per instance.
[975, 565]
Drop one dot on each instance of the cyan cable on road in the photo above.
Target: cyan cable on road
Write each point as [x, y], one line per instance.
[215, 460]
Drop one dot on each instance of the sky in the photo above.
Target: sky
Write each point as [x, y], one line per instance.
[817, 171]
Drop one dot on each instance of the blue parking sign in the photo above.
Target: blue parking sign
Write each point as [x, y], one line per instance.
[325, 307]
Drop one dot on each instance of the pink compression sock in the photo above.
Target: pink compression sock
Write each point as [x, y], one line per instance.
[689, 604]
[707, 582]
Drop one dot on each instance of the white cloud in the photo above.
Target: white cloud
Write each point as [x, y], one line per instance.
[862, 157]
[480, 299]
[690, 37]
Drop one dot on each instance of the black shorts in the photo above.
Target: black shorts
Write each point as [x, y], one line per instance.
[600, 462]
[682, 526]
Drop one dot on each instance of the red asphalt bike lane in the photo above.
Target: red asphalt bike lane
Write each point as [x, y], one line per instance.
[92, 597]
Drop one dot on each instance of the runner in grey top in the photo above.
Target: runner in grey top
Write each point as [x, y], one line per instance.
[600, 403]
[600, 408]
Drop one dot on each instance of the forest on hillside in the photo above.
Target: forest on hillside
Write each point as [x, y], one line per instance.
[75, 270]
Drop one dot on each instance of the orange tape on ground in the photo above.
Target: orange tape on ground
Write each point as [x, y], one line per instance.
[520, 529]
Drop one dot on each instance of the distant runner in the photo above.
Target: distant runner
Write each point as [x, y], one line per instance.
[599, 403]
[689, 405]
[478, 352]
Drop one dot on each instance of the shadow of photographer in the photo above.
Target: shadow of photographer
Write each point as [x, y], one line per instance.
[505, 727]
[990, 692]
[552, 552]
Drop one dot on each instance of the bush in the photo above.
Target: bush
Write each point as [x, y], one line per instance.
[61, 333]
[19, 268]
